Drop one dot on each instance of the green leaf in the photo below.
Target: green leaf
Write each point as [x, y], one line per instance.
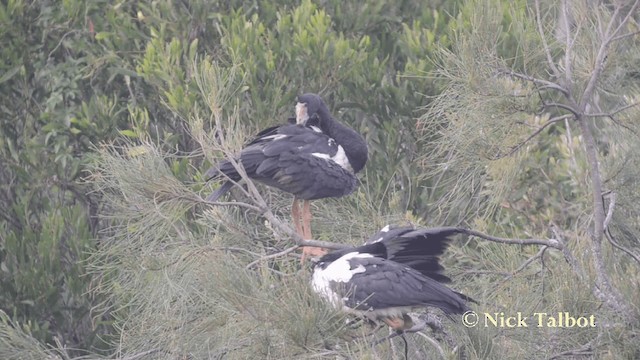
[102, 35]
[128, 133]
[9, 74]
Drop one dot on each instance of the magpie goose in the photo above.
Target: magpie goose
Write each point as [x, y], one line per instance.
[315, 158]
[396, 272]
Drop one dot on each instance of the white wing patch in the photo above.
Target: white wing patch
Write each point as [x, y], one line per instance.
[302, 115]
[275, 137]
[339, 158]
[383, 230]
[315, 128]
[338, 271]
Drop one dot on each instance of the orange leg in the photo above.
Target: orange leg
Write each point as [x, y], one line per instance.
[306, 228]
[296, 215]
[306, 219]
[399, 323]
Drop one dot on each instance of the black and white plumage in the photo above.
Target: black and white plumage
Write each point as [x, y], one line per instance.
[396, 272]
[315, 158]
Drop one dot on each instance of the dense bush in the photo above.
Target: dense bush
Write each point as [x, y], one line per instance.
[109, 115]
[76, 74]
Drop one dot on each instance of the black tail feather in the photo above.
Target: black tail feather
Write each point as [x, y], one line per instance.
[466, 298]
[419, 249]
[220, 191]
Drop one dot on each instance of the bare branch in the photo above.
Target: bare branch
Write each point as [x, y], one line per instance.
[602, 51]
[434, 343]
[272, 256]
[552, 243]
[323, 244]
[612, 204]
[538, 255]
[533, 135]
[140, 355]
[582, 351]
[547, 50]
[623, 36]
[624, 21]
[482, 272]
[301, 243]
[568, 256]
[617, 245]
[233, 203]
[574, 111]
[614, 112]
[608, 294]
[568, 43]
[544, 83]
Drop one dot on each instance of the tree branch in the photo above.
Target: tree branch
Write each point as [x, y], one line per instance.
[314, 243]
[602, 52]
[544, 83]
[552, 243]
[623, 36]
[624, 21]
[568, 43]
[272, 256]
[533, 135]
[569, 258]
[616, 245]
[547, 50]
[614, 112]
[538, 255]
[573, 110]
[608, 294]
[612, 204]
[232, 203]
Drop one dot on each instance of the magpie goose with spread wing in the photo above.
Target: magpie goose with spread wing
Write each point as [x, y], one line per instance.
[315, 158]
[397, 271]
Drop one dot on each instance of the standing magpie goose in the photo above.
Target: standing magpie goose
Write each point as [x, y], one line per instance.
[315, 158]
[397, 271]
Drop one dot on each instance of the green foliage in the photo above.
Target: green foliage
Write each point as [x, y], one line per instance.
[174, 86]
[511, 162]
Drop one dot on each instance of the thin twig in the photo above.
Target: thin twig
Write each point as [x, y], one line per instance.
[233, 203]
[301, 243]
[620, 37]
[527, 262]
[602, 52]
[544, 83]
[552, 243]
[608, 293]
[612, 204]
[569, 108]
[631, 12]
[272, 256]
[614, 112]
[433, 342]
[617, 245]
[482, 272]
[533, 135]
[568, 256]
[547, 50]
[568, 43]
[586, 349]
[139, 355]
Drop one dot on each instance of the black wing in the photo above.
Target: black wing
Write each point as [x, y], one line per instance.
[386, 284]
[293, 158]
[419, 249]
